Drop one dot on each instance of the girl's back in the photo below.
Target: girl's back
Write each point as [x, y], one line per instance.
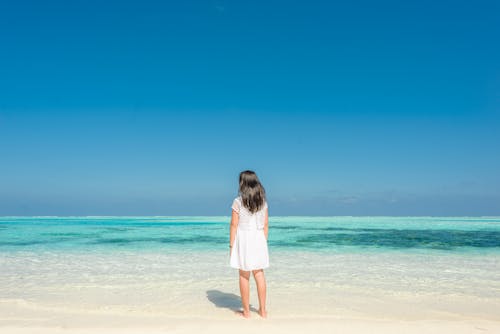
[247, 219]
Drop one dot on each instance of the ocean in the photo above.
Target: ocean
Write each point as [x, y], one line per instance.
[406, 267]
[310, 234]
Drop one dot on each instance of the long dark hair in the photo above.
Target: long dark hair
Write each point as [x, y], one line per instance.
[251, 191]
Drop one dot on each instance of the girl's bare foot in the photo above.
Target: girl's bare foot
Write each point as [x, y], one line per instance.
[244, 314]
[263, 313]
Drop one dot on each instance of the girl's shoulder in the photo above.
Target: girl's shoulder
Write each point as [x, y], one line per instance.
[238, 199]
[236, 204]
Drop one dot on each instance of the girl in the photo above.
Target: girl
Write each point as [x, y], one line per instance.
[248, 239]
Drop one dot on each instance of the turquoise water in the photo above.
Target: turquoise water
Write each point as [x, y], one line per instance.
[318, 234]
[319, 266]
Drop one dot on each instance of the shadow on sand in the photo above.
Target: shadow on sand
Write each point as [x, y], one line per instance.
[226, 300]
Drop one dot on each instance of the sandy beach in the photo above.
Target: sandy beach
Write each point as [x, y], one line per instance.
[391, 315]
[141, 302]
[78, 323]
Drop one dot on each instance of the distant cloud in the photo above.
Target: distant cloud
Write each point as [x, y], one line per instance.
[391, 203]
[220, 7]
[348, 199]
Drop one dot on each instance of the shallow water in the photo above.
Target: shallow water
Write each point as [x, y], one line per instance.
[404, 266]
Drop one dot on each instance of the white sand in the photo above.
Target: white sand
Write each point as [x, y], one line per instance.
[140, 293]
[349, 313]
[253, 326]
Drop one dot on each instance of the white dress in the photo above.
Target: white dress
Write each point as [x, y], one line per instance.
[249, 250]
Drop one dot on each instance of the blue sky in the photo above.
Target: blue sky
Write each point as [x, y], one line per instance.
[153, 108]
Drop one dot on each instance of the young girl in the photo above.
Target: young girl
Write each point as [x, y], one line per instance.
[248, 239]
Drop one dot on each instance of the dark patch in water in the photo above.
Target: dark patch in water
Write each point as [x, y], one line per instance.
[117, 229]
[286, 227]
[31, 242]
[393, 238]
[66, 234]
[146, 224]
[347, 229]
[166, 240]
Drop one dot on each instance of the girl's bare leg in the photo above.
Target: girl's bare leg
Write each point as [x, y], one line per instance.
[260, 279]
[245, 292]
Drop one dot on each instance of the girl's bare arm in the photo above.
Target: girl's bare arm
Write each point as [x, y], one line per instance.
[266, 223]
[232, 228]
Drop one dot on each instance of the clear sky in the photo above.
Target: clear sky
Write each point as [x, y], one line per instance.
[154, 107]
